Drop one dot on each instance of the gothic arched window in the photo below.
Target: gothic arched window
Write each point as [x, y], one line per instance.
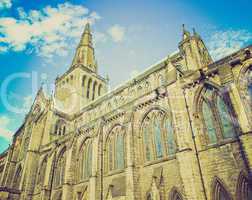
[209, 122]
[115, 148]
[17, 177]
[158, 135]
[83, 84]
[60, 127]
[226, 121]
[147, 142]
[244, 188]
[89, 88]
[149, 197]
[216, 116]
[42, 170]
[119, 149]
[94, 90]
[86, 160]
[59, 171]
[175, 195]
[171, 142]
[219, 192]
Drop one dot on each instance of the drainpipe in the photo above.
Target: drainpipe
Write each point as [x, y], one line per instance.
[195, 146]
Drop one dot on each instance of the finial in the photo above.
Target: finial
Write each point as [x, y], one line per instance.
[183, 27]
[87, 27]
[186, 33]
[195, 32]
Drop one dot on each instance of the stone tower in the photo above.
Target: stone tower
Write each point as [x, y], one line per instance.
[194, 50]
[81, 84]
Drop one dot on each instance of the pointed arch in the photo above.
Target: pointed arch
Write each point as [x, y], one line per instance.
[157, 134]
[175, 194]
[149, 196]
[60, 127]
[244, 82]
[94, 90]
[89, 87]
[115, 148]
[59, 171]
[215, 113]
[85, 160]
[41, 172]
[243, 188]
[219, 192]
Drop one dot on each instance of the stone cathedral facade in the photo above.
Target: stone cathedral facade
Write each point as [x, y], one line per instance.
[181, 130]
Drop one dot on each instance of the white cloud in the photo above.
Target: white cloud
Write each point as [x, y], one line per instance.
[5, 4]
[47, 32]
[4, 132]
[223, 43]
[117, 33]
[99, 37]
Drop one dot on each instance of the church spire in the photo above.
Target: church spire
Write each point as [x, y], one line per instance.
[85, 52]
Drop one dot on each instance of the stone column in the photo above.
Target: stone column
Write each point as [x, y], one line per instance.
[93, 179]
[67, 188]
[186, 155]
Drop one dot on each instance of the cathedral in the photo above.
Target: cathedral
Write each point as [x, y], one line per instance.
[180, 130]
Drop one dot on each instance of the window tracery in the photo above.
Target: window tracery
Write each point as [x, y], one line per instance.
[60, 127]
[115, 149]
[244, 188]
[216, 115]
[158, 136]
[59, 171]
[86, 160]
[219, 192]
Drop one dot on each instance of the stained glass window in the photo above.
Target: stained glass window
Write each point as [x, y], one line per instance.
[171, 144]
[60, 169]
[227, 125]
[120, 151]
[147, 143]
[158, 138]
[208, 119]
[88, 161]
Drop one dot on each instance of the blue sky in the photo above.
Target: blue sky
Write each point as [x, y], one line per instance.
[38, 39]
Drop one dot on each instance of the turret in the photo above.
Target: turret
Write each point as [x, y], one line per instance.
[81, 84]
[194, 50]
